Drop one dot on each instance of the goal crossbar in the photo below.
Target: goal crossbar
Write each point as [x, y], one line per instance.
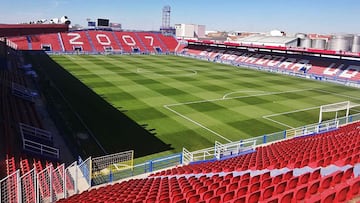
[335, 107]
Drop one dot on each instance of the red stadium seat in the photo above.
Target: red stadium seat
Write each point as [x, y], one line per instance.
[315, 174]
[194, 199]
[325, 183]
[337, 178]
[354, 187]
[292, 183]
[304, 178]
[313, 187]
[342, 191]
[266, 183]
[228, 196]
[287, 197]
[208, 195]
[242, 191]
[281, 187]
[328, 196]
[349, 173]
[268, 192]
[233, 186]
[300, 193]
[254, 197]
[216, 199]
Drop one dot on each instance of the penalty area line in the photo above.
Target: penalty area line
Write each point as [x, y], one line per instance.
[239, 97]
[267, 117]
[278, 122]
[337, 94]
[287, 112]
[189, 73]
[196, 123]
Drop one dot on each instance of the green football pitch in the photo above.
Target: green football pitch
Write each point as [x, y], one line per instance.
[192, 103]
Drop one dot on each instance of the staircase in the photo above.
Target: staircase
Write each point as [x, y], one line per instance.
[117, 41]
[28, 38]
[162, 43]
[61, 42]
[142, 43]
[90, 41]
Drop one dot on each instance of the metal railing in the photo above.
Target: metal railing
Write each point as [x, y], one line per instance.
[78, 176]
[42, 149]
[48, 185]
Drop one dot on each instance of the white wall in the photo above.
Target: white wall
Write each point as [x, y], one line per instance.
[189, 30]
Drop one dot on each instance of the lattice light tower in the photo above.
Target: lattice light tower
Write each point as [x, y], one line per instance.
[165, 28]
[166, 17]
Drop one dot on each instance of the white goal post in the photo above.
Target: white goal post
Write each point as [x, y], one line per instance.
[335, 107]
[118, 161]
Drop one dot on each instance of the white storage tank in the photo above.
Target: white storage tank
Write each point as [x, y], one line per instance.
[318, 44]
[300, 35]
[356, 44]
[305, 43]
[340, 42]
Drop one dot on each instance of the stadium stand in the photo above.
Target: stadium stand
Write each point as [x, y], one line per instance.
[171, 43]
[130, 42]
[48, 42]
[76, 41]
[297, 64]
[152, 42]
[307, 187]
[313, 168]
[100, 41]
[22, 42]
[334, 147]
[278, 172]
[104, 40]
[17, 109]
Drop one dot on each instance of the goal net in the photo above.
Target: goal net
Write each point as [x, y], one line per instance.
[114, 162]
[336, 110]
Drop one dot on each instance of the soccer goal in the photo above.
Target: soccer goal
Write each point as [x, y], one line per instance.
[114, 162]
[336, 110]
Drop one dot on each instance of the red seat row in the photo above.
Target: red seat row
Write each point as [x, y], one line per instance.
[340, 147]
[309, 187]
[99, 41]
[320, 67]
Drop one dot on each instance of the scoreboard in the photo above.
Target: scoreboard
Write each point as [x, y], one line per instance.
[103, 22]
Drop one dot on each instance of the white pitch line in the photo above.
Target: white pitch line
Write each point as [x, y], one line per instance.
[230, 93]
[103, 74]
[278, 122]
[196, 123]
[212, 100]
[220, 99]
[193, 72]
[299, 110]
[69, 56]
[343, 95]
[278, 114]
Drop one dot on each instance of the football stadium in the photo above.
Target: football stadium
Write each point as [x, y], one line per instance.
[101, 113]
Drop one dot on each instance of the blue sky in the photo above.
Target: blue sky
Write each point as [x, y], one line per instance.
[310, 16]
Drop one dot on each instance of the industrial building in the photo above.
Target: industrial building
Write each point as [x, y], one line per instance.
[189, 31]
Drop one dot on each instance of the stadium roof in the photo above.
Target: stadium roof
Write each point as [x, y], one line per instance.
[11, 30]
[267, 40]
